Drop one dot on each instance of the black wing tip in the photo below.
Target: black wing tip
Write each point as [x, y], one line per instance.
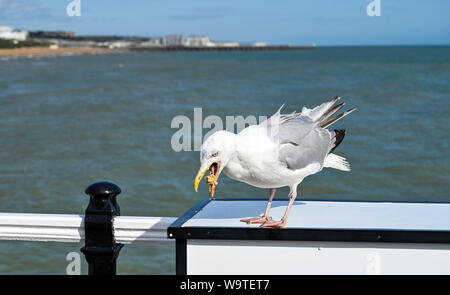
[339, 135]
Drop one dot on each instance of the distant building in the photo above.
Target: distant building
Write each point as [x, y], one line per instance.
[152, 42]
[173, 40]
[227, 44]
[119, 44]
[198, 41]
[259, 44]
[179, 41]
[11, 34]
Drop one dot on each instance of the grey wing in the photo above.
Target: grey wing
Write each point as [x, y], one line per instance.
[288, 128]
[295, 130]
[312, 148]
[301, 141]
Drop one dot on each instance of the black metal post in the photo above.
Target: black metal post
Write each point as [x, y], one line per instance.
[101, 250]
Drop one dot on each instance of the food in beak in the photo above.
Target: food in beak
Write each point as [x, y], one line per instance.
[211, 179]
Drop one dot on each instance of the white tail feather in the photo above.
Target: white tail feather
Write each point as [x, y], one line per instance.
[318, 111]
[336, 162]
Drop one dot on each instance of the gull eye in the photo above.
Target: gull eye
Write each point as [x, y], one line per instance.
[215, 154]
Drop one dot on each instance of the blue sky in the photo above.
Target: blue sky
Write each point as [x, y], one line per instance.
[300, 22]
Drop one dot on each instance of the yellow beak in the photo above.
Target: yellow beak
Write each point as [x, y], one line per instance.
[198, 178]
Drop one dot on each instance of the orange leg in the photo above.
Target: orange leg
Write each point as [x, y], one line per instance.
[265, 217]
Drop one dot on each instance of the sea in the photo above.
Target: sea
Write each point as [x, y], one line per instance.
[69, 121]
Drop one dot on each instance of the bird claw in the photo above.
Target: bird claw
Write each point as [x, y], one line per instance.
[274, 224]
[255, 220]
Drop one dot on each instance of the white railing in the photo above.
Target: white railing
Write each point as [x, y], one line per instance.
[70, 228]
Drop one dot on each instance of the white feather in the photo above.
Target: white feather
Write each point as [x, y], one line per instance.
[336, 162]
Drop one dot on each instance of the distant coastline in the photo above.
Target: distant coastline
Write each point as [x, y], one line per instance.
[43, 51]
[61, 42]
[46, 51]
[234, 48]
[16, 43]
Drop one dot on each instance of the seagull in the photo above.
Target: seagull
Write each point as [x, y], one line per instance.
[280, 151]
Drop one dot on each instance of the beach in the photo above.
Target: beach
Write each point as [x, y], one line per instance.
[37, 51]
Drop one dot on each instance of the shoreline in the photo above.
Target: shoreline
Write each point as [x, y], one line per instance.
[46, 51]
[43, 51]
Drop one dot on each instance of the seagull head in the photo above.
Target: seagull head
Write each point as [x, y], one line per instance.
[215, 153]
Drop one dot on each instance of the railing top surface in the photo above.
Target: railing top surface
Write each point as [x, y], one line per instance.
[70, 228]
